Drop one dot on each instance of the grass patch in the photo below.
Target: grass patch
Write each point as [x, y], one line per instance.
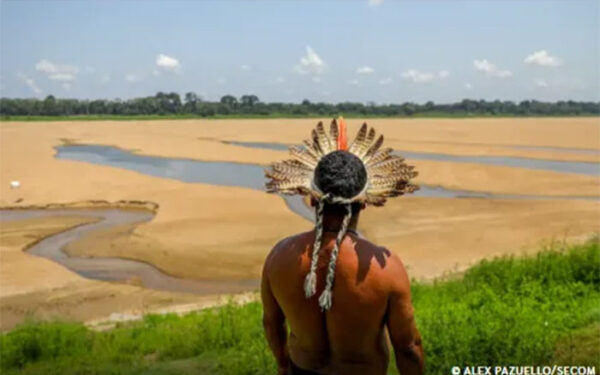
[507, 311]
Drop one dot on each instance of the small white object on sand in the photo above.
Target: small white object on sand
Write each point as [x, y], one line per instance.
[15, 184]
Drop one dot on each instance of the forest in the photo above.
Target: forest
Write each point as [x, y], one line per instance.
[191, 105]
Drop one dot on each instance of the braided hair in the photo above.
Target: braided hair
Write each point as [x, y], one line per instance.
[340, 175]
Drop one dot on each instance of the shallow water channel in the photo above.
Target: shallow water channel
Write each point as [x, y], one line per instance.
[578, 167]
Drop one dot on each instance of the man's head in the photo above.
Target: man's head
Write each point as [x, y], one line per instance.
[341, 174]
[341, 178]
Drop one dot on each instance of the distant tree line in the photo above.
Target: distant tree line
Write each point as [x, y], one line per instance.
[250, 105]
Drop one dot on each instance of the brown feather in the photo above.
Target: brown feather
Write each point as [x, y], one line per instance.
[387, 160]
[334, 133]
[367, 143]
[308, 145]
[286, 175]
[290, 185]
[373, 149]
[375, 200]
[303, 156]
[291, 165]
[378, 157]
[390, 186]
[389, 166]
[316, 145]
[359, 139]
[323, 139]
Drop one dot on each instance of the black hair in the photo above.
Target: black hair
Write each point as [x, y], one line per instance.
[341, 174]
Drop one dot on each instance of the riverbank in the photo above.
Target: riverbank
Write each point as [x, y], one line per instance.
[530, 311]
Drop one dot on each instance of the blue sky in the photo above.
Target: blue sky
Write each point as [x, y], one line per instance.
[362, 50]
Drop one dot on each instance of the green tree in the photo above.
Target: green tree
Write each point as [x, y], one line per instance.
[229, 100]
[50, 106]
[249, 100]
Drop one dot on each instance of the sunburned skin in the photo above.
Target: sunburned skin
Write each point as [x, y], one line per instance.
[371, 295]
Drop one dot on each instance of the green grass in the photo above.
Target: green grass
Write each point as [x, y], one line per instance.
[543, 309]
[257, 116]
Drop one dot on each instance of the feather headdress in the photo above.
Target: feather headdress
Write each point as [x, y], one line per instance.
[387, 176]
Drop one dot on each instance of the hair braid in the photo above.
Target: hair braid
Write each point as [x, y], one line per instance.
[310, 283]
[325, 298]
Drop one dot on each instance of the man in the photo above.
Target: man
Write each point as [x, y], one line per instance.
[339, 292]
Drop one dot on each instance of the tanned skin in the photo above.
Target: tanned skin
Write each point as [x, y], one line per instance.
[371, 297]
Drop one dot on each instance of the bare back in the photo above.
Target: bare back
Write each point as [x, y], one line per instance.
[371, 292]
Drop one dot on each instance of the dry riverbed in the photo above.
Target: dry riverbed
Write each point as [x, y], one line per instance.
[215, 232]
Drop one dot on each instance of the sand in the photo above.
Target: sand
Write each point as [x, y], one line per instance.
[208, 232]
[34, 287]
[436, 236]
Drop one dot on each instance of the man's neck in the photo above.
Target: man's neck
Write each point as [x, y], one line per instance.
[333, 223]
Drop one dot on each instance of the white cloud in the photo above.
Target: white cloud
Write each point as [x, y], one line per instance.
[364, 70]
[221, 80]
[311, 63]
[246, 67]
[375, 3]
[423, 77]
[468, 86]
[62, 77]
[316, 79]
[167, 63]
[417, 77]
[279, 79]
[105, 78]
[66, 86]
[51, 68]
[57, 72]
[30, 82]
[385, 81]
[131, 77]
[354, 82]
[542, 58]
[491, 69]
[540, 82]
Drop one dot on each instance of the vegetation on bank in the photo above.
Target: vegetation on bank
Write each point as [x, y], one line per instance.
[253, 117]
[542, 309]
[170, 105]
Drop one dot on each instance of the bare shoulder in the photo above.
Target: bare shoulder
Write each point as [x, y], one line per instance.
[395, 272]
[391, 261]
[280, 248]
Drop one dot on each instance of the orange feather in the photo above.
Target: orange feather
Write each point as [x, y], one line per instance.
[342, 141]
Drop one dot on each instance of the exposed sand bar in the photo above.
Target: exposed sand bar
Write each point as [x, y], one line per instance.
[437, 235]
